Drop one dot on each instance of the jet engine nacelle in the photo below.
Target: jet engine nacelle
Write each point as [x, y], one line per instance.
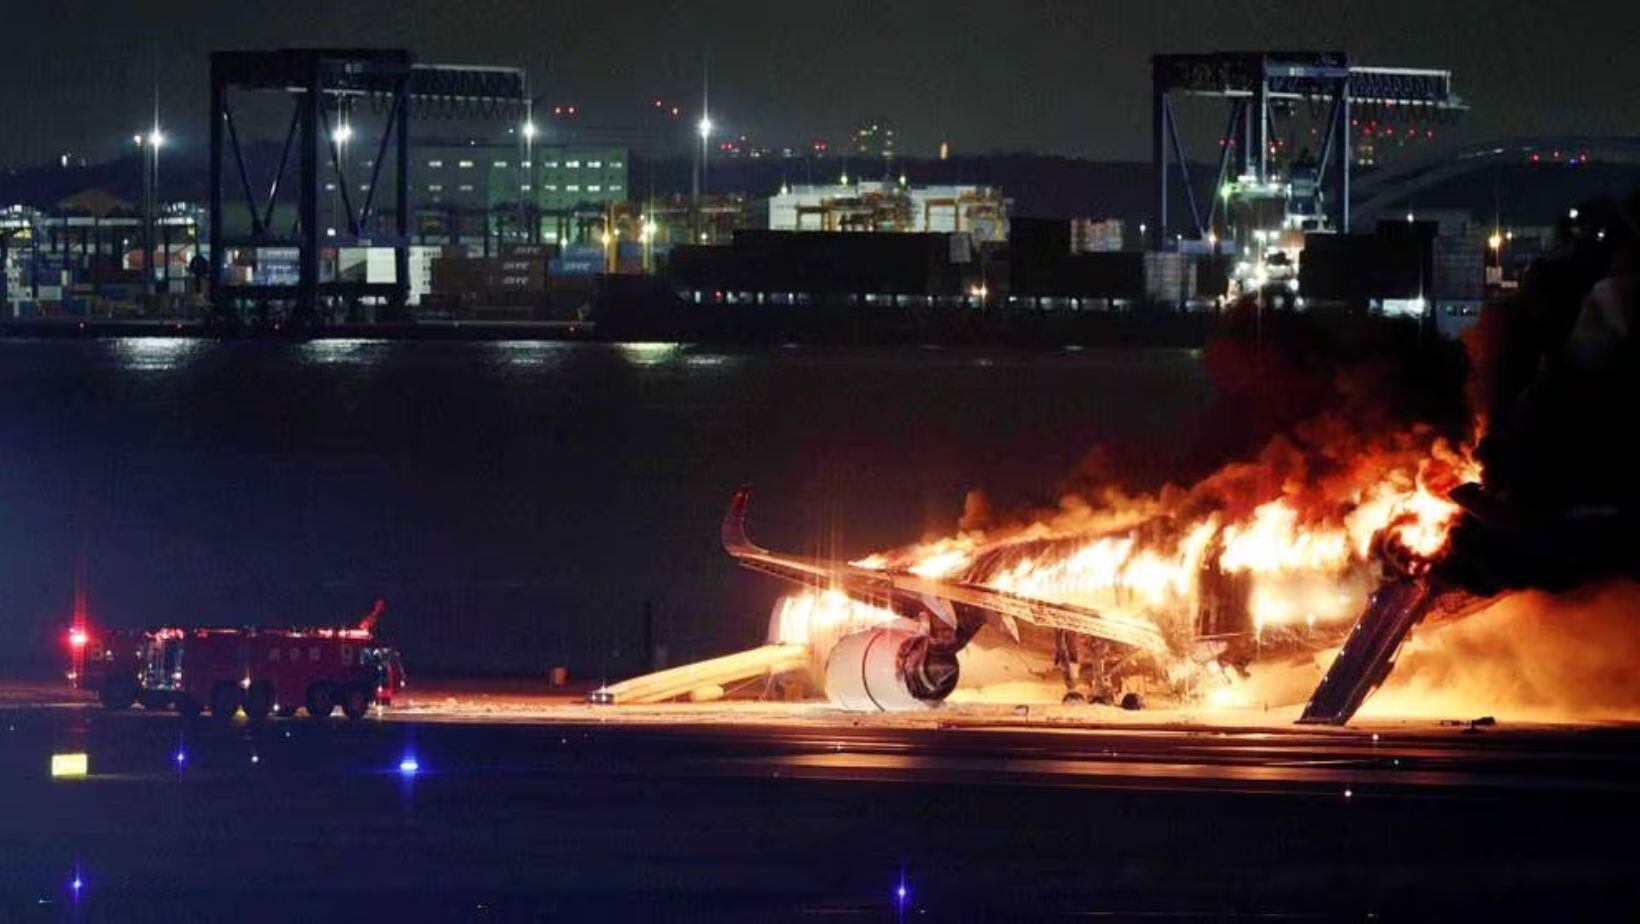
[889, 670]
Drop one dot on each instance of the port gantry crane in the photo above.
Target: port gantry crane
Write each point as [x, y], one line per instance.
[1251, 82]
[321, 84]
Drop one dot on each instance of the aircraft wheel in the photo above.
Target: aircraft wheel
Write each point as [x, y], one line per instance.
[1133, 702]
[1074, 698]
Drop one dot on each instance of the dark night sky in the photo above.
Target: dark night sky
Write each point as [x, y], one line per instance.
[1061, 77]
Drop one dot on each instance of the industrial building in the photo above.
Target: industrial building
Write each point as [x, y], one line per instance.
[476, 190]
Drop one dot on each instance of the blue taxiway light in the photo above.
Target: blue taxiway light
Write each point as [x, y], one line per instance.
[409, 766]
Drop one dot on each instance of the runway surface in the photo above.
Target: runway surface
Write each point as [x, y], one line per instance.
[545, 808]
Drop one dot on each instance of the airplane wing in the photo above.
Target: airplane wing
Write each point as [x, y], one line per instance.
[882, 586]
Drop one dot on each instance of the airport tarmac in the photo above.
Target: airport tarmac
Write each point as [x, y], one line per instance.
[531, 806]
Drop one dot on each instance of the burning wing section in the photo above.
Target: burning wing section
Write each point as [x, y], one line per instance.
[904, 591]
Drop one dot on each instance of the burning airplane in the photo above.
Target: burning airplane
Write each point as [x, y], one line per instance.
[1175, 593]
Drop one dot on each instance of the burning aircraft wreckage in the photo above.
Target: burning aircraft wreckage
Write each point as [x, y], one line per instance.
[1329, 542]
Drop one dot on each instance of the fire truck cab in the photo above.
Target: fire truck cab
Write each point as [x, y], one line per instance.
[258, 670]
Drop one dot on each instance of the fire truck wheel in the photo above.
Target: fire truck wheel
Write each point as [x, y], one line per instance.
[321, 701]
[355, 703]
[225, 701]
[1133, 702]
[1073, 697]
[188, 707]
[258, 701]
[117, 693]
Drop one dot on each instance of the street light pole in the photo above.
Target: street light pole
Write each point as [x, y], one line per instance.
[704, 129]
[526, 177]
[145, 151]
[148, 146]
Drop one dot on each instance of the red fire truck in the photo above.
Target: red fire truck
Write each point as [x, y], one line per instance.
[257, 669]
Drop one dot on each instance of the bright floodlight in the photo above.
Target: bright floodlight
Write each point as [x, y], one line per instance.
[529, 129]
[343, 132]
[705, 127]
[156, 138]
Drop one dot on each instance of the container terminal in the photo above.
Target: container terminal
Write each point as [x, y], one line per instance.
[432, 200]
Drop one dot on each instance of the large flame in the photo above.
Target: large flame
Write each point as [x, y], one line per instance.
[1307, 528]
[819, 617]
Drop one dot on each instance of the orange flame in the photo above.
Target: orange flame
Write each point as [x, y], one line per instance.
[1309, 526]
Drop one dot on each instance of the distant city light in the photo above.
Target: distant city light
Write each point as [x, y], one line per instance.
[704, 127]
[1495, 241]
[529, 129]
[1572, 214]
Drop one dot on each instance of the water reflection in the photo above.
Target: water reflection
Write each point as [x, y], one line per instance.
[344, 352]
[531, 354]
[648, 354]
[712, 361]
[155, 354]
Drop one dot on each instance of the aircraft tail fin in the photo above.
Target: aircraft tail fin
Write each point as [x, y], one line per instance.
[735, 540]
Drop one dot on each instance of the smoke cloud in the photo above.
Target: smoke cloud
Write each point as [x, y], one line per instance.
[1531, 656]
